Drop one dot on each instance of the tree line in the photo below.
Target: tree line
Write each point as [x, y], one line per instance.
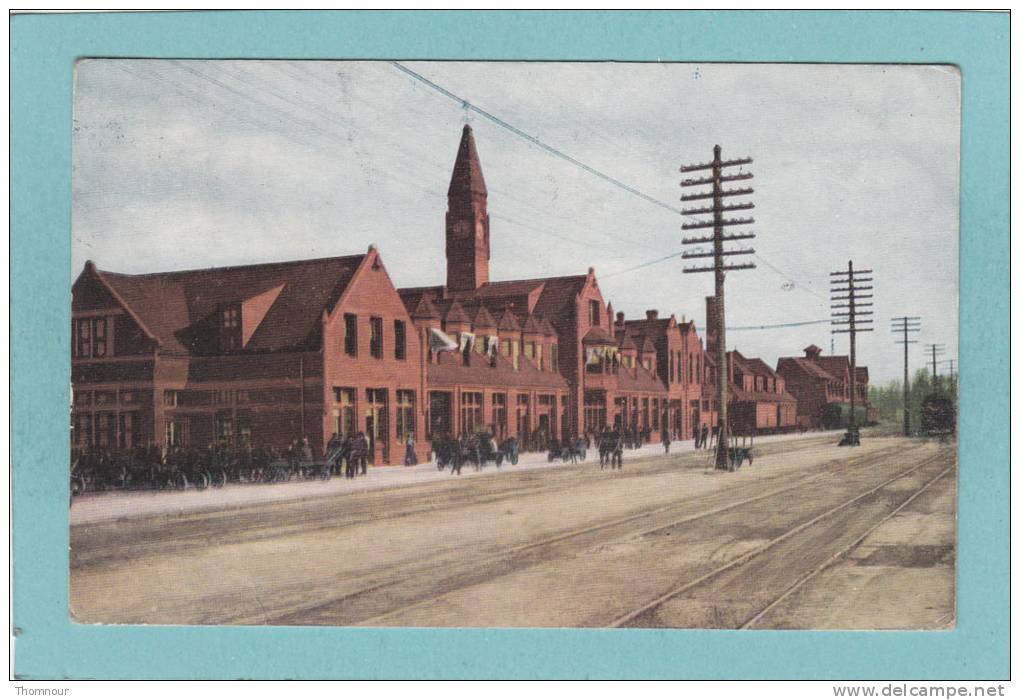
[888, 398]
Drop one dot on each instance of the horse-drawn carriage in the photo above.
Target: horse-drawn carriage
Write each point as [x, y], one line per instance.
[181, 468]
[576, 450]
[478, 450]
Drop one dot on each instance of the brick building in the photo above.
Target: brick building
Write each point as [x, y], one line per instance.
[758, 400]
[258, 354]
[541, 358]
[264, 354]
[822, 387]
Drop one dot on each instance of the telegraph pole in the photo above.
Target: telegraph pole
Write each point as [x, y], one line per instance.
[718, 254]
[906, 325]
[951, 362]
[857, 321]
[935, 349]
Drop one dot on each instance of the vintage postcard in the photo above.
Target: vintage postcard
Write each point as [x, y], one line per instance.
[514, 344]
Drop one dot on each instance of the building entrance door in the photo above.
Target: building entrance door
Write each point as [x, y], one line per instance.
[439, 415]
[377, 425]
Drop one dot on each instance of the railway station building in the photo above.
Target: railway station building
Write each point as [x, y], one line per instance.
[265, 354]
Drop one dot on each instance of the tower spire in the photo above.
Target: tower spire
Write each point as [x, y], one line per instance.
[467, 169]
[467, 220]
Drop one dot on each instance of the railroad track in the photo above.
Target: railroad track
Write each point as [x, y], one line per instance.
[516, 558]
[112, 542]
[633, 618]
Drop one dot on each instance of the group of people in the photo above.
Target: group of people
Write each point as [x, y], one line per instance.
[611, 444]
[703, 437]
[352, 450]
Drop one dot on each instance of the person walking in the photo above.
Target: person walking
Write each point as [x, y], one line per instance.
[617, 455]
[665, 440]
[410, 456]
[362, 446]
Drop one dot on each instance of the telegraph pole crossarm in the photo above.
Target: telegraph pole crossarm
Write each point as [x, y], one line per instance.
[719, 266]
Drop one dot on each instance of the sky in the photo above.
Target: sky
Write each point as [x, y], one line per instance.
[190, 164]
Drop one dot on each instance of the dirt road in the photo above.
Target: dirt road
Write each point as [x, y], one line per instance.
[665, 542]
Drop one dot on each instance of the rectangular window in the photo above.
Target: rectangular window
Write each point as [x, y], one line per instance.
[86, 345]
[170, 397]
[243, 431]
[230, 328]
[594, 312]
[538, 353]
[175, 433]
[399, 340]
[224, 428]
[344, 399]
[99, 337]
[83, 430]
[529, 349]
[499, 414]
[470, 412]
[375, 339]
[554, 358]
[105, 429]
[516, 353]
[351, 335]
[505, 348]
[655, 414]
[405, 415]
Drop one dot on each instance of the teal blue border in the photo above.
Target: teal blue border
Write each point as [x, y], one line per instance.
[43, 52]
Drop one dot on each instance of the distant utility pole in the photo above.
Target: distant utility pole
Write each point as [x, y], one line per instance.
[951, 362]
[935, 349]
[906, 325]
[717, 223]
[854, 314]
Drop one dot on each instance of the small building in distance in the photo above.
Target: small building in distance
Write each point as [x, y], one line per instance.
[758, 401]
[822, 388]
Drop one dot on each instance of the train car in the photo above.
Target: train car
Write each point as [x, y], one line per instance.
[938, 416]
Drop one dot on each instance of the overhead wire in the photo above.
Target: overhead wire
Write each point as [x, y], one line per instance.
[467, 105]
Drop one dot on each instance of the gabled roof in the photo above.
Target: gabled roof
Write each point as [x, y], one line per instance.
[547, 328]
[647, 345]
[509, 322]
[170, 305]
[456, 314]
[425, 309]
[760, 367]
[532, 325]
[551, 297]
[598, 336]
[806, 366]
[483, 319]
[836, 365]
[625, 341]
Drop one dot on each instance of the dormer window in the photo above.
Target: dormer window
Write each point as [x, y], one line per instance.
[230, 328]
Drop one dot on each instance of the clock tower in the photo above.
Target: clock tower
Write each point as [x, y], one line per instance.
[467, 221]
